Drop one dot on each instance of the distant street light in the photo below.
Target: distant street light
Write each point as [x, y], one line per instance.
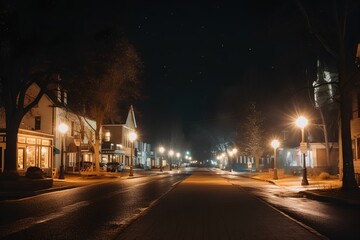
[275, 144]
[132, 138]
[161, 150]
[301, 122]
[171, 154]
[63, 128]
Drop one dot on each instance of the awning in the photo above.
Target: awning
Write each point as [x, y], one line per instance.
[56, 150]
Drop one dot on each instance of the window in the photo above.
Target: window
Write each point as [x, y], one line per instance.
[44, 159]
[107, 136]
[30, 156]
[37, 123]
[21, 158]
[72, 159]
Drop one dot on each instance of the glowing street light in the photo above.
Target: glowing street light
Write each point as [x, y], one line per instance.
[132, 137]
[161, 150]
[275, 144]
[301, 122]
[63, 128]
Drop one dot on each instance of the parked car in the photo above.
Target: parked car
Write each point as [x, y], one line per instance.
[114, 167]
[84, 166]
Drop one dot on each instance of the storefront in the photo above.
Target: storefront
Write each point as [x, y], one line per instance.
[35, 149]
[113, 156]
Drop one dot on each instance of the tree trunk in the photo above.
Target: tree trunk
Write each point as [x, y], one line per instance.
[12, 129]
[257, 162]
[97, 156]
[97, 146]
[349, 182]
[346, 86]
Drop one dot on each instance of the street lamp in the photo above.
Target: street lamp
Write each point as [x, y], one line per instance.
[161, 150]
[63, 128]
[301, 122]
[171, 154]
[132, 138]
[275, 144]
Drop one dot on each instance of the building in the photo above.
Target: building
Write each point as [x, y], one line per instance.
[144, 155]
[39, 141]
[355, 131]
[116, 146]
[355, 121]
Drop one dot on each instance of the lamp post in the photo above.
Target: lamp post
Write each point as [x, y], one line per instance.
[63, 128]
[171, 154]
[301, 122]
[275, 144]
[161, 150]
[132, 138]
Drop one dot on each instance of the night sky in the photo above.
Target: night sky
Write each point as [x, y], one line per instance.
[204, 61]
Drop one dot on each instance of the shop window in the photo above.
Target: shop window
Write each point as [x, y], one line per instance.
[45, 157]
[37, 123]
[30, 156]
[21, 158]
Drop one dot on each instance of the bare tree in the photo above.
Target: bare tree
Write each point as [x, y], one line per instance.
[331, 28]
[108, 80]
[252, 134]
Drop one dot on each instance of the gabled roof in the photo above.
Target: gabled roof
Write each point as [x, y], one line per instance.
[129, 123]
[131, 118]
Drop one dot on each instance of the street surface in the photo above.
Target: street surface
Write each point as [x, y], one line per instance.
[186, 204]
[207, 206]
[92, 212]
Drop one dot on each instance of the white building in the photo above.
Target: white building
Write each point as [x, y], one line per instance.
[39, 140]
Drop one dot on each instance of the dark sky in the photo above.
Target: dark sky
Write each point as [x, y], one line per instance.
[204, 61]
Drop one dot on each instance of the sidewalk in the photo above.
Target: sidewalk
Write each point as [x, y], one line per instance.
[319, 189]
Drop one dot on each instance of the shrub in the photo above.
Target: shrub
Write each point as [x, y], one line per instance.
[324, 175]
[34, 173]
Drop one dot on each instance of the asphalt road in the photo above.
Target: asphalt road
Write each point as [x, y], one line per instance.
[97, 211]
[207, 206]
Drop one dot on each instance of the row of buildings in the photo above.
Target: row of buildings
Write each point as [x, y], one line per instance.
[323, 151]
[41, 144]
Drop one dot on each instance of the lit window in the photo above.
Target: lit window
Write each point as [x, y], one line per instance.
[107, 136]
